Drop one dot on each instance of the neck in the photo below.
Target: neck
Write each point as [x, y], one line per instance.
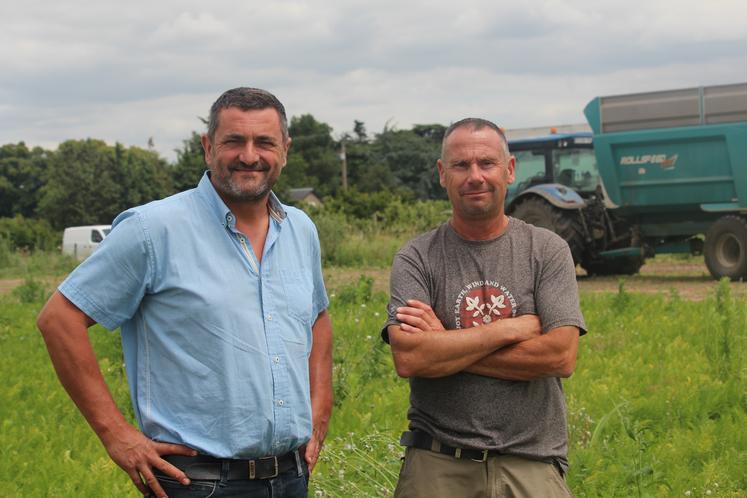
[486, 229]
[250, 212]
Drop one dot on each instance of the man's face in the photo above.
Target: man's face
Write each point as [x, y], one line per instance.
[476, 171]
[246, 154]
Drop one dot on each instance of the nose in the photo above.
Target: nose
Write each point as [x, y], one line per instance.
[475, 174]
[249, 154]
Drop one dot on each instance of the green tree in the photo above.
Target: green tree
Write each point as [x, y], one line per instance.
[411, 158]
[431, 132]
[81, 188]
[313, 142]
[90, 182]
[190, 164]
[293, 176]
[22, 174]
[142, 174]
[359, 128]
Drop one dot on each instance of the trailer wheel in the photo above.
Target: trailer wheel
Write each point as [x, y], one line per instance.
[540, 213]
[616, 266]
[726, 248]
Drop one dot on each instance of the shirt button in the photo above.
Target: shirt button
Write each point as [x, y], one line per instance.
[269, 317]
[276, 359]
[281, 402]
[229, 217]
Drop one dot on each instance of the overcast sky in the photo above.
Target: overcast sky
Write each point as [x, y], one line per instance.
[127, 71]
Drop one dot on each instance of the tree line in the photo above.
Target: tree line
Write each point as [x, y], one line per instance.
[88, 181]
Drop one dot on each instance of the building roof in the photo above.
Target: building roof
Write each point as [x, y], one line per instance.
[298, 194]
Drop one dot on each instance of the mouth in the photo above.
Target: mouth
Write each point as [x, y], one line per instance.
[253, 168]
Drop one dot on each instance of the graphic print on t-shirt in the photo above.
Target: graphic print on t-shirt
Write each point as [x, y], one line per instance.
[481, 302]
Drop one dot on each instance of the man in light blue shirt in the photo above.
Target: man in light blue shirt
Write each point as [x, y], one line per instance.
[227, 343]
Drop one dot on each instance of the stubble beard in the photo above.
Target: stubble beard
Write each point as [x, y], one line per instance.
[476, 212]
[480, 213]
[235, 192]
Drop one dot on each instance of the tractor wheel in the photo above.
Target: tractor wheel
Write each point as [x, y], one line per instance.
[617, 266]
[567, 224]
[726, 248]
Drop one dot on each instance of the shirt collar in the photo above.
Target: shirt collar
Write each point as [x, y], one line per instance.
[219, 209]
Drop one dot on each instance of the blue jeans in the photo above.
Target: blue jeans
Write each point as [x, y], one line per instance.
[290, 484]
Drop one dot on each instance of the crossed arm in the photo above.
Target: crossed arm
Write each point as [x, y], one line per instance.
[509, 349]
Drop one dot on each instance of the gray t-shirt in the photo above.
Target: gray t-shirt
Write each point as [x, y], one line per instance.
[525, 270]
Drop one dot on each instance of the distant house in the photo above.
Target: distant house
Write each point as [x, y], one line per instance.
[306, 194]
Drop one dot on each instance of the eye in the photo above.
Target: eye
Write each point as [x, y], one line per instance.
[265, 142]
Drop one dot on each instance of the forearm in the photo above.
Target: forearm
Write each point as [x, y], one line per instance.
[438, 353]
[550, 355]
[65, 333]
[320, 375]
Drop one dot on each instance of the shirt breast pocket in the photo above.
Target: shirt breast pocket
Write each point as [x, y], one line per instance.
[299, 292]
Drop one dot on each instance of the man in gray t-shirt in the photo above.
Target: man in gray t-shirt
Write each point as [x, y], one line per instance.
[484, 319]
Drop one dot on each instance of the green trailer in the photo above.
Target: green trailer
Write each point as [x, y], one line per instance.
[671, 166]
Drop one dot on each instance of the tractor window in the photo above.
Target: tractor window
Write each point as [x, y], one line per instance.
[96, 236]
[530, 170]
[576, 168]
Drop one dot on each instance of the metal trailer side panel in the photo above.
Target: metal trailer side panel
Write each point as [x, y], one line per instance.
[669, 109]
[649, 166]
[672, 167]
[724, 103]
[736, 145]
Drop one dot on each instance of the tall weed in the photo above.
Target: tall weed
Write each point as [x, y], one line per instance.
[31, 291]
[722, 344]
[36, 263]
[6, 254]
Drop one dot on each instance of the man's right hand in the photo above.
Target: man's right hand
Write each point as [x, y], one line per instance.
[65, 330]
[138, 456]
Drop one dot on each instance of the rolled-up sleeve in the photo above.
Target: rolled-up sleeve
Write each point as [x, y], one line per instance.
[111, 283]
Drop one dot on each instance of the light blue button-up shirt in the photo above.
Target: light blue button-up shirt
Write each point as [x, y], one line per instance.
[216, 346]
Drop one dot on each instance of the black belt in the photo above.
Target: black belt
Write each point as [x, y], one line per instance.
[424, 441]
[210, 468]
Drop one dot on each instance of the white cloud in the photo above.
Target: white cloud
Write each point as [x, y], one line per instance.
[128, 71]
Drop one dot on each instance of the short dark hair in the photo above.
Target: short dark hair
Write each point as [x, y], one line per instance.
[475, 124]
[246, 99]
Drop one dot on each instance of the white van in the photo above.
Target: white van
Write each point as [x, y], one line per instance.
[80, 242]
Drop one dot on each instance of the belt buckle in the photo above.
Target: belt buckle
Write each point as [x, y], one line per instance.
[276, 470]
[484, 457]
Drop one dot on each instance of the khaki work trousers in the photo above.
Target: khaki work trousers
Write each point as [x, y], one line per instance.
[426, 474]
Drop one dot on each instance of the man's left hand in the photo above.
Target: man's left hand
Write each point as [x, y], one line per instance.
[418, 317]
[313, 447]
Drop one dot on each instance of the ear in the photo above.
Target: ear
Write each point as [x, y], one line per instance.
[286, 147]
[441, 177]
[511, 169]
[207, 148]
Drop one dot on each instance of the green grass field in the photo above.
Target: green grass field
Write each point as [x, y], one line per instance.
[657, 406]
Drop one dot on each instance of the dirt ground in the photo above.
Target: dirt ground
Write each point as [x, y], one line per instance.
[689, 277]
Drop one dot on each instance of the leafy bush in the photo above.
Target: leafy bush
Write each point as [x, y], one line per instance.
[31, 291]
[368, 229]
[29, 234]
[6, 254]
[20, 264]
[332, 228]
